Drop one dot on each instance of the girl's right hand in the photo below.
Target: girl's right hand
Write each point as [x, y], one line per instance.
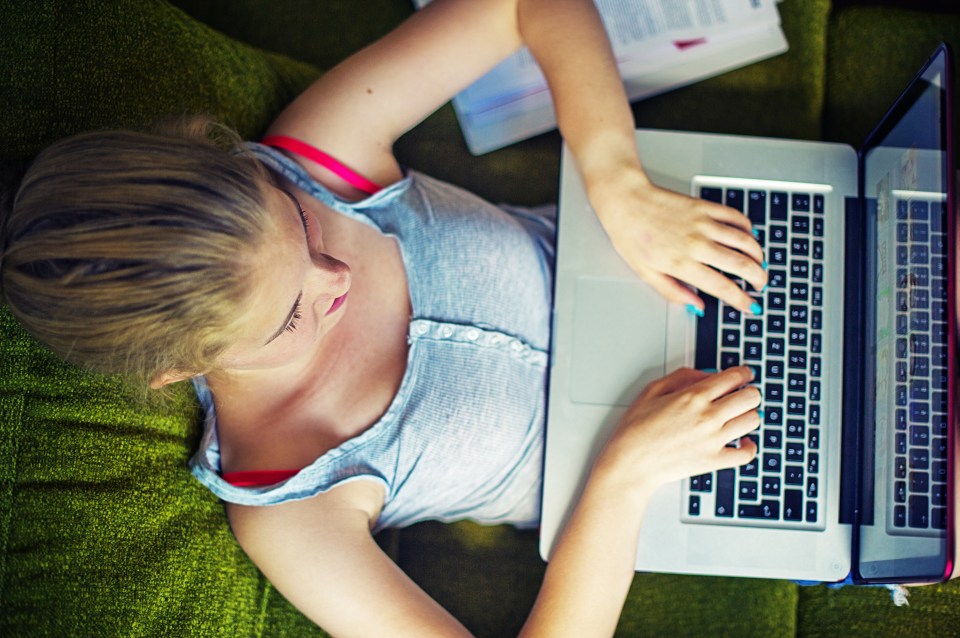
[680, 426]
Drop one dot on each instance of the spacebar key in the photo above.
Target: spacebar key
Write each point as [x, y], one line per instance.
[724, 496]
[706, 357]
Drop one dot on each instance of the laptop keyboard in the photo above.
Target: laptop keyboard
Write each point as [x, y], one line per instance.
[784, 346]
[920, 379]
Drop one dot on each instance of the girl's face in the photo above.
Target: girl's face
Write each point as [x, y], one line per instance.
[298, 292]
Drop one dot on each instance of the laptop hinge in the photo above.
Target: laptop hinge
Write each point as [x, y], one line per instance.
[854, 342]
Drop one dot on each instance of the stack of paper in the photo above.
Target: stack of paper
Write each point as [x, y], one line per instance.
[659, 45]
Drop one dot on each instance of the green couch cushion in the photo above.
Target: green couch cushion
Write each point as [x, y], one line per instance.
[75, 66]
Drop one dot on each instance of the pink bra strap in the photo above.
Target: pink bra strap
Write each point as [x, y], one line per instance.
[258, 478]
[311, 153]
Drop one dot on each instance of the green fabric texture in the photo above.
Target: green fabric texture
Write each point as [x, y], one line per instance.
[70, 67]
[103, 532]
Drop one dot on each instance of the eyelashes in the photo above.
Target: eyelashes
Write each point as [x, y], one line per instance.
[303, 218]
[297, 316]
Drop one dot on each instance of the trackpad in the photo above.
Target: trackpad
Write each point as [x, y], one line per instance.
[619, 340]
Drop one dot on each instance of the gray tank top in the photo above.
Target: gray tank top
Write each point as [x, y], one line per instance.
[463, 437]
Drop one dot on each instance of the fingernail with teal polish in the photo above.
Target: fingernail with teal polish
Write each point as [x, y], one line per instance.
[764, 264]
[756, 233]
[756, 309]
[693, 310]
[760, 413]
[710, 370]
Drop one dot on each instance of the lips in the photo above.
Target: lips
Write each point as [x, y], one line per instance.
[337, 303]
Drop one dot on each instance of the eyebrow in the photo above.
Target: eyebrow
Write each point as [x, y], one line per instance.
[296, 304]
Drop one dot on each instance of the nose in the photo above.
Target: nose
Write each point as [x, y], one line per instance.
[329, 278]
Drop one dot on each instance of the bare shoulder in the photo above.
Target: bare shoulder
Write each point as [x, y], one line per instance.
[350, 507]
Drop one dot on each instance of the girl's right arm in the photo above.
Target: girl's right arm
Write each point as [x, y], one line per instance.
[319, 552]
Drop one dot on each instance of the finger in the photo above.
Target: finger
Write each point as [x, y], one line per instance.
[736, 403]
[679, 379]
[720, 286]
[743, 422]
[723, 383]
[733, 262]
[742, 241]
[729, 216]
[737, 456]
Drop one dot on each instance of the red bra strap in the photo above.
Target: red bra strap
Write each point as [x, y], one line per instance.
[312, 153]
[258, 478]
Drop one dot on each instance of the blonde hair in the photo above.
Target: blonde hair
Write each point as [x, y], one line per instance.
[126, 252]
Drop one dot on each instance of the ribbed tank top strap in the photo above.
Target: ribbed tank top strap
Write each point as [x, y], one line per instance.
[292, 171]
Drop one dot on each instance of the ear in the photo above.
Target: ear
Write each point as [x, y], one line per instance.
[170, 376]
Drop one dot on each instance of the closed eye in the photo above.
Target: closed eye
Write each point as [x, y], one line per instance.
[294, 318]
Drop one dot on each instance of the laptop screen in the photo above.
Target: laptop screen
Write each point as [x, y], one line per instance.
[909, 320]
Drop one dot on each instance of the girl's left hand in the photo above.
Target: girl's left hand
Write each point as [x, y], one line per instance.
[671, 239]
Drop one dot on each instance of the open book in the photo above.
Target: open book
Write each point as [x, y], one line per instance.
[659, 45]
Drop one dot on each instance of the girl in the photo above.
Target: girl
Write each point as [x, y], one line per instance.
[369, 343]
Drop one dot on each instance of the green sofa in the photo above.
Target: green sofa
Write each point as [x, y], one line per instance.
[103, 531]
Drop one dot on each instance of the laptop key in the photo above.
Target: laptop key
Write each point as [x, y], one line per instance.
[712, 194]
[775, 347]
[813, 463]
[770, 486]
[919, 512]
[818, 204]
[757, 207]
[811, 515]
[795, 429]
[766, 510]
[900, 492]
[801, 202]
[734, 199]
[729, 360]
[694, 505]
[938, 494]
[938, 518]
[919, 482]
[773, 392]
[778, 206]
[792, 505]
[776, 324]
[701, 483]
[900, 516]
[725, 492]
[793, 475]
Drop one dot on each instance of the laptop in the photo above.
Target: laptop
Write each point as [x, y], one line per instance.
[854, 352]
